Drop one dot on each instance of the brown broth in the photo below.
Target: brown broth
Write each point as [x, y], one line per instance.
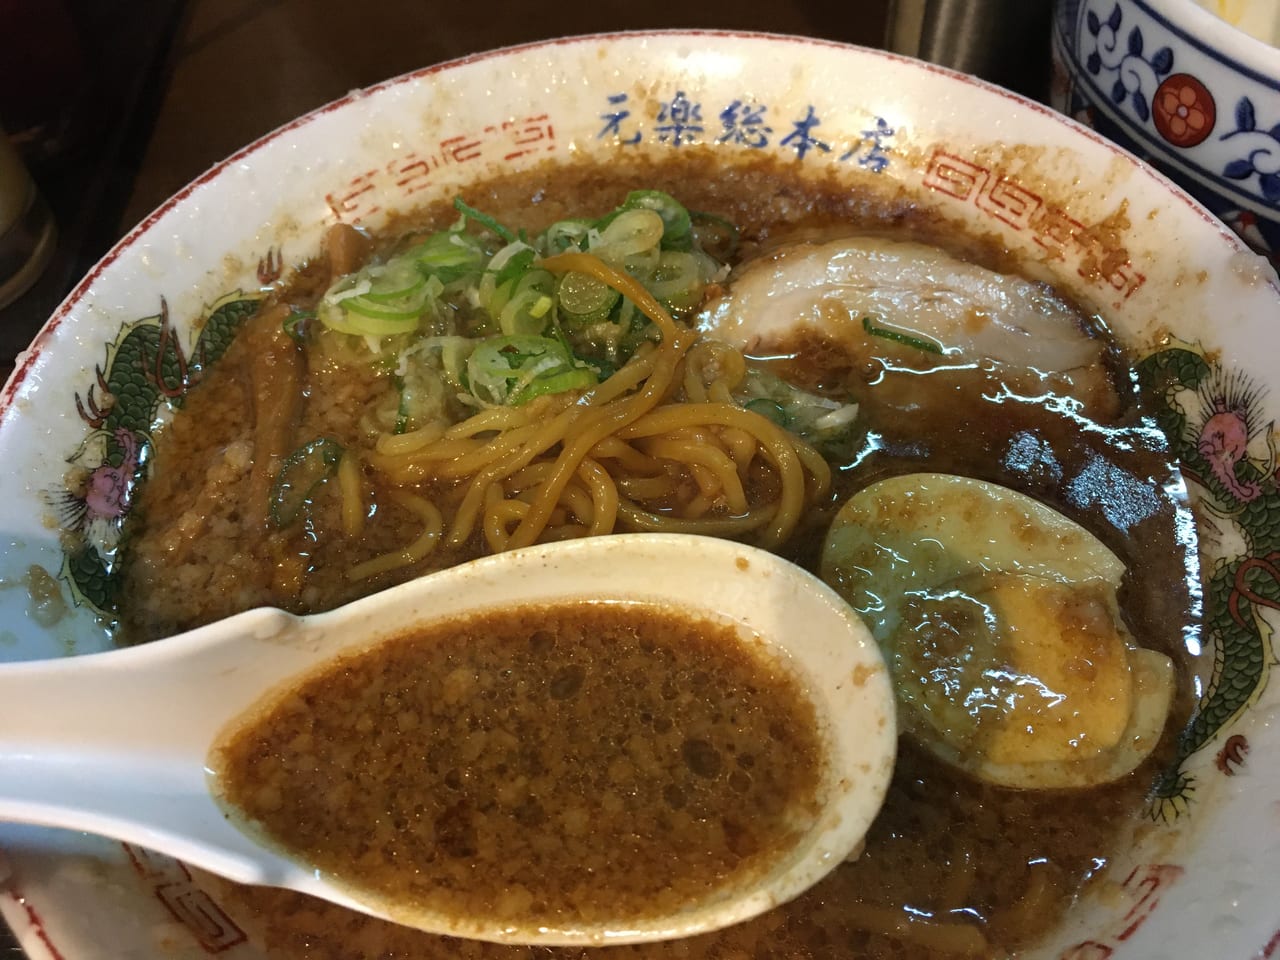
[584, 763]
[952, 866]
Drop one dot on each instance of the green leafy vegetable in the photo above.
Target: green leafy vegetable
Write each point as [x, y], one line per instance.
[379, 299]
[769, 409]
[486, 221]
[296, 324]
[899, 336]
[513, 370]
[677, 226]
[302, 472]
[450, 255]
[585, 299]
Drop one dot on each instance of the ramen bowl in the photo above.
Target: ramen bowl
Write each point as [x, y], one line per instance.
[1192, 305]
[1185, 90]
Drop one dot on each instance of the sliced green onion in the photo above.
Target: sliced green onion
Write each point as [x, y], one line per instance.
[450, 255]
[577, 378]
[513, 370]
[676, 224]
[302, 472]
[393, 281]
[514, 267]
[899, 336]
[566, 235]
[498, 282]
[585, 298]
[769, 409]
[338, 319]
[525, 314]
[296, 323]
[407, 308]
[528, 310]
[454, 352]
[677, 281]
[630, 233]
[379, 300]
[486, 221]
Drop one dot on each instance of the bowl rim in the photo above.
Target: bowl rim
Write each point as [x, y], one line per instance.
[27, 357]
[1219, 39]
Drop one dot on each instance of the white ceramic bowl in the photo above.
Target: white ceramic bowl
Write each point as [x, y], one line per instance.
[1177, 287]
[1184, 89]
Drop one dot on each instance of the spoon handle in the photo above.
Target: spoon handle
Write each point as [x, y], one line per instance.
[116, 743]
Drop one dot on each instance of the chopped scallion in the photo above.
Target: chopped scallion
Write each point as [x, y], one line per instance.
[301, 474]
[486, 221]
[899, 336]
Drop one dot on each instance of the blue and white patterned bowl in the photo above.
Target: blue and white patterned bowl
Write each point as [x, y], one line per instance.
[1184, 90]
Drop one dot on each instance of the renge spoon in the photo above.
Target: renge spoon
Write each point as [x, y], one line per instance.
[118, 743]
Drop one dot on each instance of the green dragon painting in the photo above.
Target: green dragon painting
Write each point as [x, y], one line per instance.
[146, 369]
[1212, 417]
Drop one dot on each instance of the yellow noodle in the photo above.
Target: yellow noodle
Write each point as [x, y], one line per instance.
[695, 390]
[816, 465]
[574, 451]
[442, 450]
[551, 434]
[577, 501]
[697, 508]
[527, 477]
[498, 516]
[411, 467]
[353, 512]
[719, 392]
[712, 468]
[941, 936]
[495, 418]
[695, 434]
[604, 497]
[398, 444]
[495, 449]
[598, 423]
[647, 488]
[707, 481]
[713, 369]
[635, 517]
[627, 456]
[433, 524]
[565, 531]
[779, 446]
[742, 447]
[624, 283]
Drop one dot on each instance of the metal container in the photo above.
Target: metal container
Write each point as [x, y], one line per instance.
[1004, 41]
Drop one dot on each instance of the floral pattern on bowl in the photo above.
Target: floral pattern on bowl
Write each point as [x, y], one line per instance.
[1146, 74]
[76, 419]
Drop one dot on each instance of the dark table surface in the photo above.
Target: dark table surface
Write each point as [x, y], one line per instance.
[116, 104]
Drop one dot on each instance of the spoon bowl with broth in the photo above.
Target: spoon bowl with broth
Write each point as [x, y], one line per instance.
[605, 740]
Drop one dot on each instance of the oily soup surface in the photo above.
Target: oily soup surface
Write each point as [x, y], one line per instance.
[554, 765]
[951, 865]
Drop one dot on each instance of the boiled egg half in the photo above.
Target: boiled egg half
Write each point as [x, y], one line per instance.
[999, 619]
